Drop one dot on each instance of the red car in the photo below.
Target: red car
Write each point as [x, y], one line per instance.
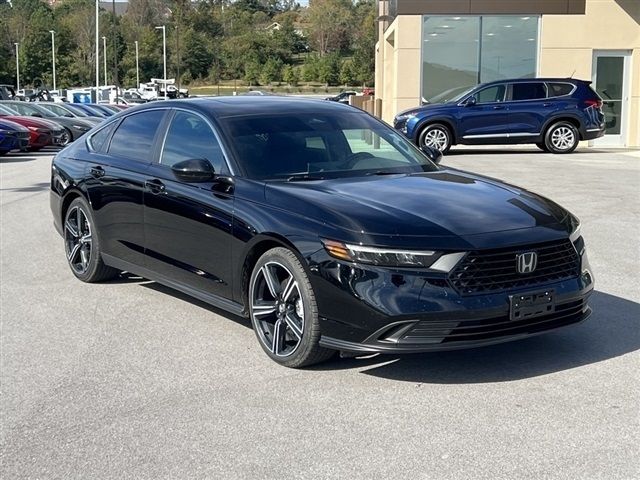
[41, 132]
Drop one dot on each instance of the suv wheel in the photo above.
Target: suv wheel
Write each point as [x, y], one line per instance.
[435, 136]
[561, 137]
[81, 244]
[283, 310]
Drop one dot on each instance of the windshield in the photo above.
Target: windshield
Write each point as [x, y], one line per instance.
[78, 111]
[320, 145]
[452, 95]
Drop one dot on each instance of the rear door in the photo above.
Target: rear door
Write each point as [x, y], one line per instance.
[188, 225]
[487, 119]
[529, 108]
[117, 172]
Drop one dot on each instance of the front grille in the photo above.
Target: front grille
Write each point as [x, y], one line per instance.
[23, 135]
[451, 331]
[491, 271]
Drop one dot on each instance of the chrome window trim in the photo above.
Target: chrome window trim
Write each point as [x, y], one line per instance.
[225, 154]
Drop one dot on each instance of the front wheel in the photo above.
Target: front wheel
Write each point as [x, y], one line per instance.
[283, 310]
[66, 138]
[435, 136]
[561, 137]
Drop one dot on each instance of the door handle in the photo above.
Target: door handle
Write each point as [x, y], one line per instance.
[155, 186]
[97, 172]
[498, 107]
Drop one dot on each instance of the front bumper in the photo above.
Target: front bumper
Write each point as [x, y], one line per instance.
[395, 311]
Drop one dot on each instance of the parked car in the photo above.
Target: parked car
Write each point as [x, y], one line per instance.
[324, 226]
[88, 108]
[68, 111]
[13, 136]
[342, 97]
[553, 113]
[41, 132]
[74, 128]
[104, 109]
[133, 97]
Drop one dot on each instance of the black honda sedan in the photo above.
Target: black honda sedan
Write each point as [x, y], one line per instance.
[323, 225]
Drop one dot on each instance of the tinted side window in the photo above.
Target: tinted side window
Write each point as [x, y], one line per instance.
[134, 137]
[490, 94]
[190, 137]
[98, 140]
[559, 89]
[528, 91]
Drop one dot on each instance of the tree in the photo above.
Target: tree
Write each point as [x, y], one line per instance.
[271, 71]
[290, 75]
[330, 25]
[329, 69]
[347, 73]
[252, 73]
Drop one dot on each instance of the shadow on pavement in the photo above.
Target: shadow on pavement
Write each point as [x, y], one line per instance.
[613, 330]
[16, 159]
[36, 187]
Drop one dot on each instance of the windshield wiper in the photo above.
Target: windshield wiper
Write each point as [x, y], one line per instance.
[382, 172]
[303, 177]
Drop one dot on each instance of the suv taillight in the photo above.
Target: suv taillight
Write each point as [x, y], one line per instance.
[593, 103]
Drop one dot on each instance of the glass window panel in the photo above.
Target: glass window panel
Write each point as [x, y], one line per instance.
[449, 54]
[560, 89]
[528, 91]
[134, 137]
[490, 94]
[509, 48]
[609, 73]
[190, 137]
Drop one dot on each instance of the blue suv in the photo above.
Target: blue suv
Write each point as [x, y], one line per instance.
[553, 113]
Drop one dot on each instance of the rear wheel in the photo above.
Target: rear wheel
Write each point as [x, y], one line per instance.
[283, 310]
[561, 137]
[66, 138]
[82, 246]
[435, 136]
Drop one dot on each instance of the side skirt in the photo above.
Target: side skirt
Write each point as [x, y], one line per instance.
[215, 300]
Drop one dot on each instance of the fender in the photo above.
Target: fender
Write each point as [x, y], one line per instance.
[445, 119]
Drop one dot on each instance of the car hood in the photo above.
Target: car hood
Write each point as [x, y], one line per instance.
[442, 203]
[429, 107]
[10, 125]
[32, 122]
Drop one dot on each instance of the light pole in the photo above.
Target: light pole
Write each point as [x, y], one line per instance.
[137, 69]
[97, 49]
[17, 68]
[104, 54]
[53, 56]
[164, 56]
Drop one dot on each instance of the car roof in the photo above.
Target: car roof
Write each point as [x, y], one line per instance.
[537, 79]
[250, 105]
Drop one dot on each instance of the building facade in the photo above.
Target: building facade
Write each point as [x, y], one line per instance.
[429, 49]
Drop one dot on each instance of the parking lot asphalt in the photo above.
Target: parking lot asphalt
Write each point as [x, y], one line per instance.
[129, 379]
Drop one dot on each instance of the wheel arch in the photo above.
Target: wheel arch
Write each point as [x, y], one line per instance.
[258, 245]
[69, 196]
[572, 119]
[447, 122]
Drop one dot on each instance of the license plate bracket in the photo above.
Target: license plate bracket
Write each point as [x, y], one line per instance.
[530, 305]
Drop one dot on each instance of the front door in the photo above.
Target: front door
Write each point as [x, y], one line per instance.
[188, 225]
[486, 120]
[611, 81]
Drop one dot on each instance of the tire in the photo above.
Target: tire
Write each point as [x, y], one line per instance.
[34, 149]
[542, 146]
[283, 307]
[561, 137]
[82, 246]
[436, 136]
[67, 138]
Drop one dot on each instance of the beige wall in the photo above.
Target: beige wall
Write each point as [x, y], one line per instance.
[567, 43]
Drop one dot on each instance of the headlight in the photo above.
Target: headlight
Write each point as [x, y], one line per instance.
[387, 257]
[6, 132]
[575, 227]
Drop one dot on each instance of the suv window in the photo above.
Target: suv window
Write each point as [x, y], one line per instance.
[491, 94]
[134, 137]
[528, 91]
[559, 89]
[190, 137]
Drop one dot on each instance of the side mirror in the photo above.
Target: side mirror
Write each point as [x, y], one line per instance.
[470, 102]
[433, 154]
[194, 170]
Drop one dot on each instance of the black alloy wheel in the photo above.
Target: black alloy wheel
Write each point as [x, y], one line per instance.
[283, 310]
